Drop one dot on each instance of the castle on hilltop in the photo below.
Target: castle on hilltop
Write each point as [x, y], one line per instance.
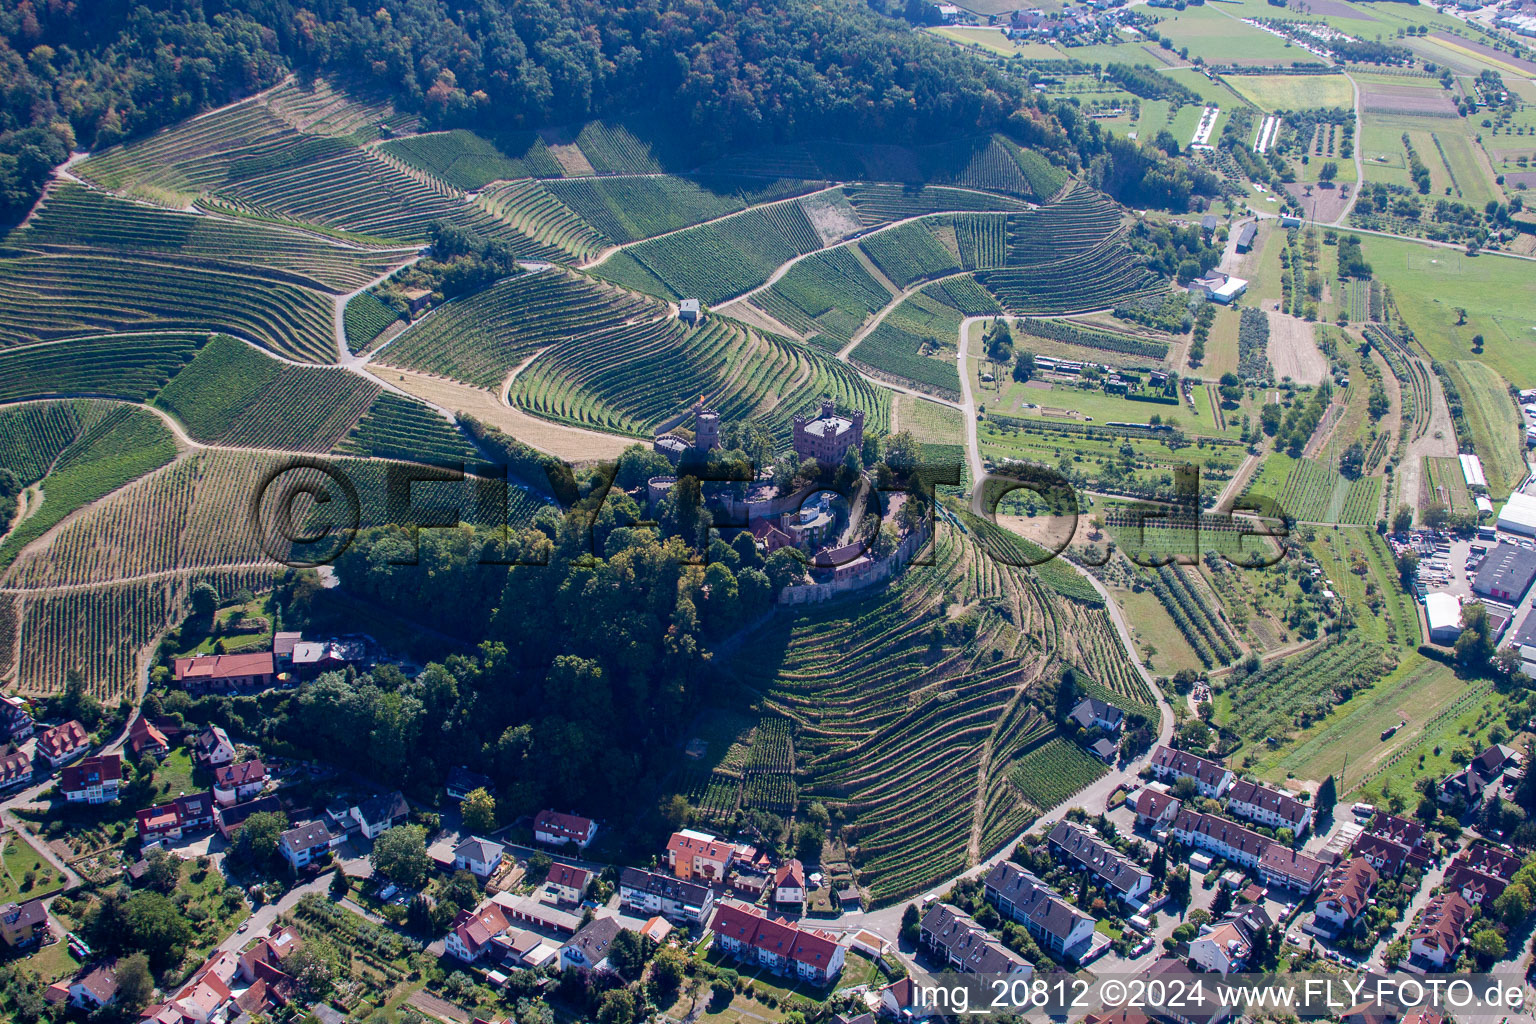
[828, 437]
[706, 434]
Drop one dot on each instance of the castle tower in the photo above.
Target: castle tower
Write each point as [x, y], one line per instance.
[706, 427]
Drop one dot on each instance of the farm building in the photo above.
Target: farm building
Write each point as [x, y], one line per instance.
[1219, 287]
[1288, 221]
[1472, 471]
[1444, 614]
[1519, 514]
[688, 311]
[1245, 236]
[1208, 223]
[1506, 574]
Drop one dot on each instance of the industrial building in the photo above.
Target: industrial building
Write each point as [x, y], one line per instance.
[1505, 574]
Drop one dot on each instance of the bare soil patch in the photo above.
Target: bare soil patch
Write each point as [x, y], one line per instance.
[1377, 98]
[1293, 350]
[831, 215]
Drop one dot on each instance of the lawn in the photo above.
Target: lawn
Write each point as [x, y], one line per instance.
[1495, 425]
[20, 858]
[1431, 283]
[1152, 628]
[1294, 92]
[177, 774]
[994, 41]
[1008, 397]
[234, 643]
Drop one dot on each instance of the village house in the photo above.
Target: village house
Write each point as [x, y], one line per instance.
[698, 855]
[1092, 713]
[567, 884]
[1481, 873]
[94, 780]
[1280, 865]
[957, 941]
[471, 933]
[1345, 894]
[647, 893]
[1268, 806]
[480, 857]
[1087, 852]
[16, 722]
[206, 998]
[1224, 946]
[15, 770]
[462, 782]
[1408, 834]
[94, 987]
[23, 925]
[1154, 810]
[1472, 783]
[307, 843]
[557, 829]
[62, 743]
[269, 952]
[747, 934]
[380, 813]
[1057, 925]
[1219, 836]
[145, 738]
[901, 1001]
[1170, 765]
[1439, 932]
[229, 819]
[225, 673]
[1383, 854]
[187, 813]
[236, 783]
[789, 883]
[213, 747]
[587, 950]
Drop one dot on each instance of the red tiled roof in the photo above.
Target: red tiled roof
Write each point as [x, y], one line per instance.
[224, 666]
[231, 775]
[686, 847]
[143, 734]
[564, 874]
[791, 873]
[752, 927]
[61, 738]
[92, 771]
[476, 928]
[568, 826]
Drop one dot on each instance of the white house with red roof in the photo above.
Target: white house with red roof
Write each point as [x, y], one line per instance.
[236, 783]
[747, 934]
[557, 829]
[472, 931]
[62, 743]
[567, 884]
[94, 780]
[789, 883]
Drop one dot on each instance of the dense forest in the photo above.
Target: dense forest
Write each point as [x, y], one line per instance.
[720, 75]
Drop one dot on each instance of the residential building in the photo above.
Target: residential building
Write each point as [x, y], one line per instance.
[1088, 852]
[1092, 713]
[588, 949]
[558, 829]
[472, 931]
[1477, 887]
[1170, 765]
[1057, 925]
[269, 952]
[15, 770]
[1345, 893]
[94, 780]
[62, 743]
[789, 883]
[16, 722]
[229, 819]
[1218, 287]
[213, 747]
[303, 845]
[567, 884]
[462, 782]
[747, 934]
[1387, 857]
[698, 855]
[828, 437]
[1220, 947]
[646, 892]
[1219, 836]
[1484, 856]
[1406, 833]
[205, 999]
[94, 987]
[144, 737]
[1153, 809]
[23, 925]
[1172, 975]
[225, 673]
[1483, 773]
[188, 813]
[480, 857]
[380, 813]
[282, 647]
[237, 783]
[953, 938]
[901, 1001]
[1440, 929]
[1268, 806]
[1104, 749]
[1283, 866]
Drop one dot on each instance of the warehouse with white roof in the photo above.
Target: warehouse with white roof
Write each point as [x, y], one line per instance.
[1519, 514]
[1444, 614]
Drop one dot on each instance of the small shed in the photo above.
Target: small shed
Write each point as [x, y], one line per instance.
[688, 311]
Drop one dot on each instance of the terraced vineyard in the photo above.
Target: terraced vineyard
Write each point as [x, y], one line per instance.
[232, 394]
[466, 161]
[482, 337]
[898, 740]
[909, 253]
[898, 346]
[1074, 280]
[365, 318]
[725, 258]
[826, 297]
[75, 218]
[881, 204]
[1053, 771]
[44, 299]
[32, 435]
[116, 366]
[538, 213]
[115, 444]
[628, 209]
[398, 428]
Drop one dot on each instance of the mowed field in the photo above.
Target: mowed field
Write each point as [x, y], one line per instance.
[1294, 92]
[1221, 38]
